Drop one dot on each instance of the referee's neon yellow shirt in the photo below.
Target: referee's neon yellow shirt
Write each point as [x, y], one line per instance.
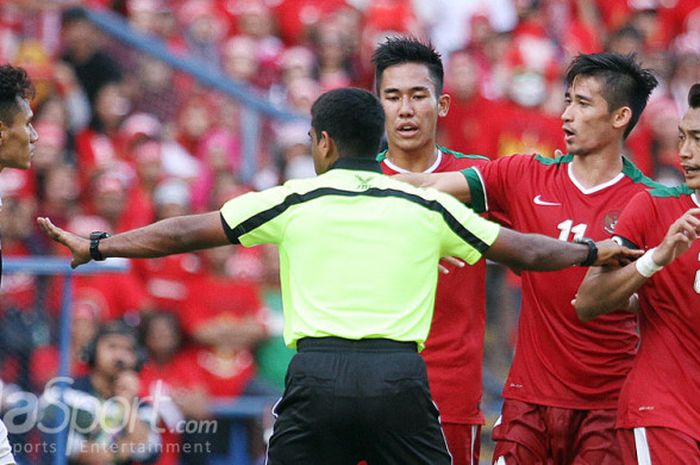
[358, 250]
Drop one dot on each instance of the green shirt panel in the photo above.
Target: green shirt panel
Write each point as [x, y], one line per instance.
[359, 251]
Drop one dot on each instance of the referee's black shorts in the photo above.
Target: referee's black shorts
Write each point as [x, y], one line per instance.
[347, 401]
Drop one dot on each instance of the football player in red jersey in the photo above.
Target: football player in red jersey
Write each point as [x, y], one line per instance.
[409, 79]
[659, 413]
[562, 390]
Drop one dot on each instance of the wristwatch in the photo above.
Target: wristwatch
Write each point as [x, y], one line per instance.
[95, 238]
[592, 251]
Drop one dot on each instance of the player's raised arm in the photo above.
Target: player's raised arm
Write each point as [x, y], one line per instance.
[541, 253]
[605, 289]
[166, 237]
[453, 183]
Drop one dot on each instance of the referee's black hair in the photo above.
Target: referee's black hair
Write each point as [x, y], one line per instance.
[400, 50]
[14, 83]
[623, 81]
[694, 96]
[353, 118]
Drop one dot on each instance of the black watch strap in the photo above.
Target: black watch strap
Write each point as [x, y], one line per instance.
[592, 251]
[95, 238]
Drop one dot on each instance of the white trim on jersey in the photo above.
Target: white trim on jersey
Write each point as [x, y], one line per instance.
[483, 188]
[695, 198]
[641, 445]
[430, 169]
[593, 189]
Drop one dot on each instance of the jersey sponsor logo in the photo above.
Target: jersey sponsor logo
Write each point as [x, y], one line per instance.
[538, 201]
[363, 182]
[610, 221]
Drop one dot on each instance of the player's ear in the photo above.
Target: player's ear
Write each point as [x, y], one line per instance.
[444, 105]
[622, 117]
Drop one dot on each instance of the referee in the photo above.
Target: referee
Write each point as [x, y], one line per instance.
[359, 256]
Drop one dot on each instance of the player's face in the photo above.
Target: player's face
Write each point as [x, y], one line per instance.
[17, 138]
[689, 147]
[588, 125]
[412, 107]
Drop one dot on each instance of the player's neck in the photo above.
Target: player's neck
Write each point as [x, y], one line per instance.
[415, 161]
[597, 168]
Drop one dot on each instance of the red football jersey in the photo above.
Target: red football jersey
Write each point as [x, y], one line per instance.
[663, 387]
[560, 361]
[455, 347]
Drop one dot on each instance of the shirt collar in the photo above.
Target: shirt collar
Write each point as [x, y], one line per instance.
[363, 164]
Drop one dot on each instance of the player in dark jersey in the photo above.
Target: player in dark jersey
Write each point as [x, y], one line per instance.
[17, 139]
[17, 135]
[659, 411]
[409, 77]
[562, 390]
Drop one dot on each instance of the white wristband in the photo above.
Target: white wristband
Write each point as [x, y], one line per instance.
[645, 264]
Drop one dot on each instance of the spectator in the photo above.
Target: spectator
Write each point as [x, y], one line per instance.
[98, 146]
[466, 123]
[119, 428]
[168, 378]
[83, 51]
[44, 362]
[227, 320]
[118, 295]
[167, 279]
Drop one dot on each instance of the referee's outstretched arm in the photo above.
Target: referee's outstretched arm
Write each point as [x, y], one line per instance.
[170, 236]
[192, 232]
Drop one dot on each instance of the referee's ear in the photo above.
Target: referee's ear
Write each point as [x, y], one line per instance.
[328, 147]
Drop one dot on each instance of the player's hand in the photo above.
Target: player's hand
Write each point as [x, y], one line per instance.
[452, 261]
[78, 246]
[610, 253]
[679, 238]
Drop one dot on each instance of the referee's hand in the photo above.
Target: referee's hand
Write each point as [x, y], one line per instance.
[79, 247]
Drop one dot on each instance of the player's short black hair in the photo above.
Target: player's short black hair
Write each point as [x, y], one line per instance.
[623, 81]
[400, 50]
[353, 118]
[14, 82]
[694, 95]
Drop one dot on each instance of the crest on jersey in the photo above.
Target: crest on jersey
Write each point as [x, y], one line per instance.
[610, 220]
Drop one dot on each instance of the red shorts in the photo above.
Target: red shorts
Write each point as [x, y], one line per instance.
[530, 434]
[463, 442]
[660, 446]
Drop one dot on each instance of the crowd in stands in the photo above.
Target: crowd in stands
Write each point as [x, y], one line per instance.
[126, 140]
